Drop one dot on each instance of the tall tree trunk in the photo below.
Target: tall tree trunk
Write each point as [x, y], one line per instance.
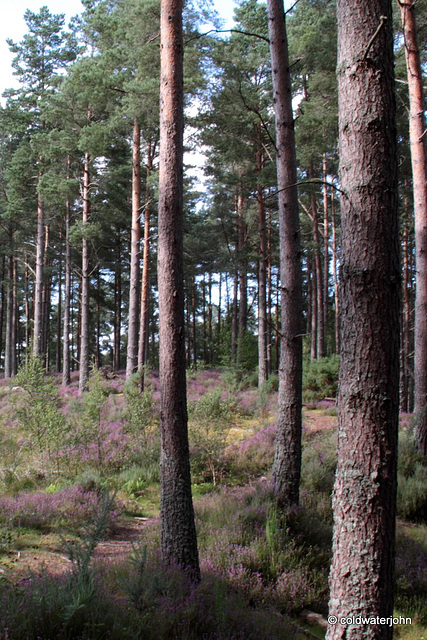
[262, 271]
[326, 250]
[84, 330]
[132, 348]
[145, 285]
[194, 320]
[320, 348]
[67, 301]
[234, 318]
[10, 303]
[335, 272]
[38, 285]
[2, 301]
[417, 131]
[287, 460]
[243, 276]
[314, 311]
[46, 303]
[117, 303]
[361, 581]
[179, 542]
[59, 311]
[269, 298]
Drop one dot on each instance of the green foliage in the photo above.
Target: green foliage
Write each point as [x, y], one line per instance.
[140, 408]
[38, 409]
[411, 480]
[320, 378]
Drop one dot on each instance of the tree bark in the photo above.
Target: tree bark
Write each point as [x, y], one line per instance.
[133, 323]
[262, 271]
[38, 285]
[320, 334]
[145, 285]
[417, 128]
[67, 301]
[179, 542]
[287, 460]
[326, 253]
[335, 272]
[117, 303]
[84, 329]
[361, 580]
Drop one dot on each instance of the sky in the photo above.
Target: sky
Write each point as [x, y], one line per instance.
[12, 25]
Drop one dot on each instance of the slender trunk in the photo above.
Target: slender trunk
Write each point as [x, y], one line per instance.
[117, 303]
[98, 319]
[320, 348]
[9, 346]
[132, 348]
[243, 278]
[15, 319]
[218, 322]
[59, 310]
[145, 285]
[194, 310]
[84, 331]
[67, 300]
[262, 272]
[2, 305]
[287, 460]
[179, 542]
[361, 581]
[335, 273]
[47, 287]
[210, 317]
[417, 126]
[314, 310]
[269, 299]
[204, 320]
[38, 285]
[326, 250]
[234, 318]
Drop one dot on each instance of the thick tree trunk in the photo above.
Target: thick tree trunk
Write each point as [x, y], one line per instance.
[84, 329]
[135, 248]
[67, 302]
[361, 581]
[179, 543]
[38, 285]
[287, 460]
[145, 285]
[417, 128]
[262, 272]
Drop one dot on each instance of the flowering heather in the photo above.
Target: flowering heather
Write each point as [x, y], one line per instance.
[40, 510]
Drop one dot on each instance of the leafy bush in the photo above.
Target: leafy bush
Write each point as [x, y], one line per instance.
[320, 378]
[411, 480]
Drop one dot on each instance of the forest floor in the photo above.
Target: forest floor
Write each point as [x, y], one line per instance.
[270, 563]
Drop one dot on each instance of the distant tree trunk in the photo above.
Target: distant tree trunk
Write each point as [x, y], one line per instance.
[117, 303]
[133, 323]
[27, 306]
[234, 318]
[326, 252]
[243, 277]
[67, 301]
[46, 291]
[59, 311]
[320, 348]
[287, 460]
[262, 271]
[314, 310]
[9, 356]
[98, 319]
[335, 272]
[2, 300]
[145, 285]
[38, 285]
[417, 130]
[269, 298]
[84, 330]
[361, 581]
[179, 543]
[210, 354]
[194, 311]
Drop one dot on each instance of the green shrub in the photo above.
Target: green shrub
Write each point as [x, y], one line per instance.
[411, 480]
[320, 378]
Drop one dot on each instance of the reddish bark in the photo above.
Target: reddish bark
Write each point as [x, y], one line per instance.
[417, 129]
[287, 461]
[179, 543]
[361, 581]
